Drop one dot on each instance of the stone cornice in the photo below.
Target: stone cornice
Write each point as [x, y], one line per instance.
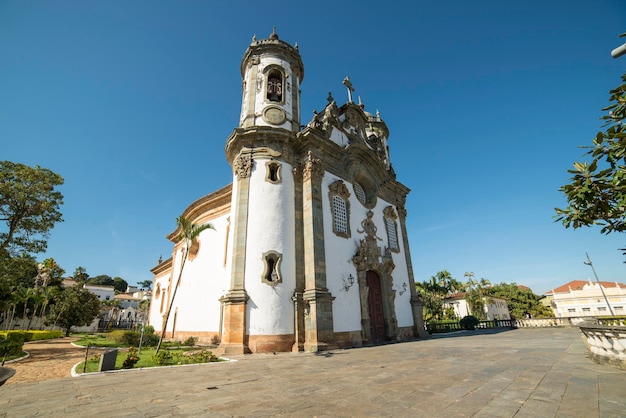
[206, 208]
[162, 267]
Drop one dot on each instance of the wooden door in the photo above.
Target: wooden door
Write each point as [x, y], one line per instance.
[375, 307]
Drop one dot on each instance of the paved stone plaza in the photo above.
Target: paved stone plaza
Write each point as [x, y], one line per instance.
[513, 373]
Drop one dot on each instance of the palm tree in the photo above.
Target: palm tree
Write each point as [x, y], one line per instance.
[38, 298]
[189, 232]
[47, 294]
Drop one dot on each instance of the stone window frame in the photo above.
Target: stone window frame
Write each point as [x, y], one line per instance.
[338, 189]
[269, 165]
[369, 189]
[359, 192]
[267, 71]
[391, 226]
[271, 264]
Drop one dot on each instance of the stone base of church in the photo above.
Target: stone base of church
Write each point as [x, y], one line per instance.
[202, 337]
[270, 343]
[348, 339]
[231, 349]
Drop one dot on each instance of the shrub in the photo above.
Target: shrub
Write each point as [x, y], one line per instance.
[203, 356]
[131, 358]
[125, 337]
[162, 357]
[150, 340]
[33, 335]
[190, 342]
[469, 322]
[149, 329]
[10, 347]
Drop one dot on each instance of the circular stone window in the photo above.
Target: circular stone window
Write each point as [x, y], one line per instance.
[364, 191]
[359, 192]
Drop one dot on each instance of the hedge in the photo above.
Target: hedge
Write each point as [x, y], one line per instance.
[33, 335]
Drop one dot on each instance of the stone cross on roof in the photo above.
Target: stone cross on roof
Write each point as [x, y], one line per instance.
[346, 82]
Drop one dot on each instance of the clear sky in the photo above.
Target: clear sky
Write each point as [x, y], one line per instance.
[487, 103]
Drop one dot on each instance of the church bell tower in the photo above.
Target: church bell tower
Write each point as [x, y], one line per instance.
[272, 71]
[262, 154]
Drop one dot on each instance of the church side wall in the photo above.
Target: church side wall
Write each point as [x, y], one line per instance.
[203, 282]
[271, 227]
[196, 309]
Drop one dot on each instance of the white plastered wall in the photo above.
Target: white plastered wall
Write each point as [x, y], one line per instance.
[204, 280]
[339, 252]
[271, 227]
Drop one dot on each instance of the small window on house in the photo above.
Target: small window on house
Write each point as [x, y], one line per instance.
[108, 297]
[601, 308]
[340, 208]
[275, 86]
[272, 174]
[619, 308]
[392, 230]
[571, 310]
[271, 270]
[586, 309]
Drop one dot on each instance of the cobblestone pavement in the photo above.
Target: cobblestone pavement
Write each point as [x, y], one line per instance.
[515, 373]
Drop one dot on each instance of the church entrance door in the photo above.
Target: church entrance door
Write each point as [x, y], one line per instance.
[375, 307]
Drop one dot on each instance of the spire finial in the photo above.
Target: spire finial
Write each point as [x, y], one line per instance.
[346, 82]
[274, 35]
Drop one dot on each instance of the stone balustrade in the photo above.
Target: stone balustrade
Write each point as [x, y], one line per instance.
[605, 344]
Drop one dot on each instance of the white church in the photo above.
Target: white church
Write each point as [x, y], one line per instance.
[309, 250]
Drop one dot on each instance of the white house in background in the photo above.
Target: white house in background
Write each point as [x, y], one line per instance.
[103, 292]
[494, 308]
[309, 249]
[584, 298]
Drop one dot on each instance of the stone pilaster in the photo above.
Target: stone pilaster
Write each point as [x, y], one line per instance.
[298, 302]
[416, 302]
[234, 339]
[318, 321]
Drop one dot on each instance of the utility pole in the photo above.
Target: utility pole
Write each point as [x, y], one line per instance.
[590, 264]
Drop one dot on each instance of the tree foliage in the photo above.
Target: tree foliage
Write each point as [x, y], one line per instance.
[80, 274]
[596, 194]
[120, 284]
[521, 300]
[433, 293]
[74, 307]
[29, 207]
[102, 280]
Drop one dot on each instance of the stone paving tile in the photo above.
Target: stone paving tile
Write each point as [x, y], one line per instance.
[507, 374]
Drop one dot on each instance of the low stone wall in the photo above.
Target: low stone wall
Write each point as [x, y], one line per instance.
[605, 344]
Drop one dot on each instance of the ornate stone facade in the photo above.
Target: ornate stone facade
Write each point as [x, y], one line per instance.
[299, 260]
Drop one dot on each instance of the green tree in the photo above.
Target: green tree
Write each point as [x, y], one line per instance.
[102, 280]
[80, 275]
[596, 194]
[29, 207]
[521, 301]
[475, 295]
[434, 292]
[75, 307]
[120, 284]
[189, 233]
[146, 284]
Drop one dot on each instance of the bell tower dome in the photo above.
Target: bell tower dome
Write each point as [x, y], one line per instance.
[272, 71]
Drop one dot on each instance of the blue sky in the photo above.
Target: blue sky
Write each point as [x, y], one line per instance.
[487, 103]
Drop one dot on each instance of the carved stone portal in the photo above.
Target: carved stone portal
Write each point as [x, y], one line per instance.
[370, 257]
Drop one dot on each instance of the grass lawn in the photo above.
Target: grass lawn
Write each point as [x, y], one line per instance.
[96, 340]
[169, 357]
